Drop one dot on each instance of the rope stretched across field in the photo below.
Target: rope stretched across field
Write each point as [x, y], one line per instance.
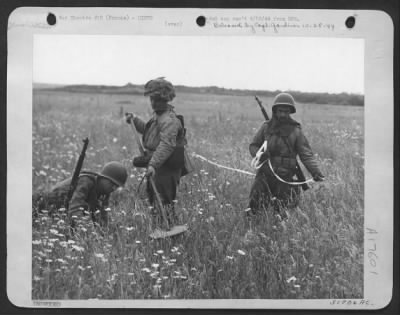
[249, 173]
[222, 166]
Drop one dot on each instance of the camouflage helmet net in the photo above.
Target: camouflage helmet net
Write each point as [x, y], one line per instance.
[160, 89]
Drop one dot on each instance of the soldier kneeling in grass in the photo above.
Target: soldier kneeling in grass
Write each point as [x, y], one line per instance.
[90, 196]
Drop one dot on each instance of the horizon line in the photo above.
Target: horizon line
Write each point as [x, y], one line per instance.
[204, 86]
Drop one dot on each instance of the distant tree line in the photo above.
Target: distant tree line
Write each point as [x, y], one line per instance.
[301, 97]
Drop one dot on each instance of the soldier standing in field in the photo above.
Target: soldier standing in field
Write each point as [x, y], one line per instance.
[163, 141]
[90, 197]
[285, 140]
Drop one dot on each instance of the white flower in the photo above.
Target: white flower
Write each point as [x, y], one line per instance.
[115, 140]
[160, 251]
[99, 255]
[155, 266]
[36, 242]
[78, 248]
[241, 252]
[293, 278]
[53, 231]
[146, 270]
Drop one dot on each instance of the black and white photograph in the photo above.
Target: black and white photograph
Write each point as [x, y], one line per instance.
[172, 167]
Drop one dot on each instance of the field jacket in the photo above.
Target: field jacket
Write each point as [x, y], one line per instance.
[85, 196]
[285, 142]
[161, 135]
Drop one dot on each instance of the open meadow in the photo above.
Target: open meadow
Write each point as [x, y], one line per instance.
[318, 256]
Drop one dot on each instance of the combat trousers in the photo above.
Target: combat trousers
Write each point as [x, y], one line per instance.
[268, 191]
[166, 181]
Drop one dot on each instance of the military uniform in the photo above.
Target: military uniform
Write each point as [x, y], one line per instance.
[85, 199]
[285, 140]
[163, 141]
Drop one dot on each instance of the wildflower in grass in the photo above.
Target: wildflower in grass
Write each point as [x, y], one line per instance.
[81, 268]
[138, 242]
[115, 140]
[124, 148]
[175, 201]
[293, 278]
[155, 266]
[154, 274]
[174, 249]
[130, 274]
[49, 260]
[37, 278]
[160, 251]
[159, 281]
[240, 252]
[63, 244]
[229, 257]
[297, 286]
[99, 255]
[129, 228]
[36, 242]
[107, 209]
[78, 248]
[146, 270]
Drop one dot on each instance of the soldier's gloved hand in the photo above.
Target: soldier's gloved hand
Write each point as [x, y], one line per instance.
[150, 171]
[318, 177]
[129, 117]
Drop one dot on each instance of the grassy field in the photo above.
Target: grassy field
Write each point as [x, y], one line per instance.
[318, 255]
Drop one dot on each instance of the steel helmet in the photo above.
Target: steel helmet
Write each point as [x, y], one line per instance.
[160, 89]
[115, 172]
[284, 99]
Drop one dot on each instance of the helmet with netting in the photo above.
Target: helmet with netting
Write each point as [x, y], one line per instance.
[160, 89]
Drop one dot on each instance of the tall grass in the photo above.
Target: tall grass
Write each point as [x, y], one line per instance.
[318, 253]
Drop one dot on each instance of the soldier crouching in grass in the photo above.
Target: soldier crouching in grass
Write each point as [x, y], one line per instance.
[90, 196]
[285, 140]
[163, 145]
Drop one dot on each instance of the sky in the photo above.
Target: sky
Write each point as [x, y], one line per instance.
[331, 65]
